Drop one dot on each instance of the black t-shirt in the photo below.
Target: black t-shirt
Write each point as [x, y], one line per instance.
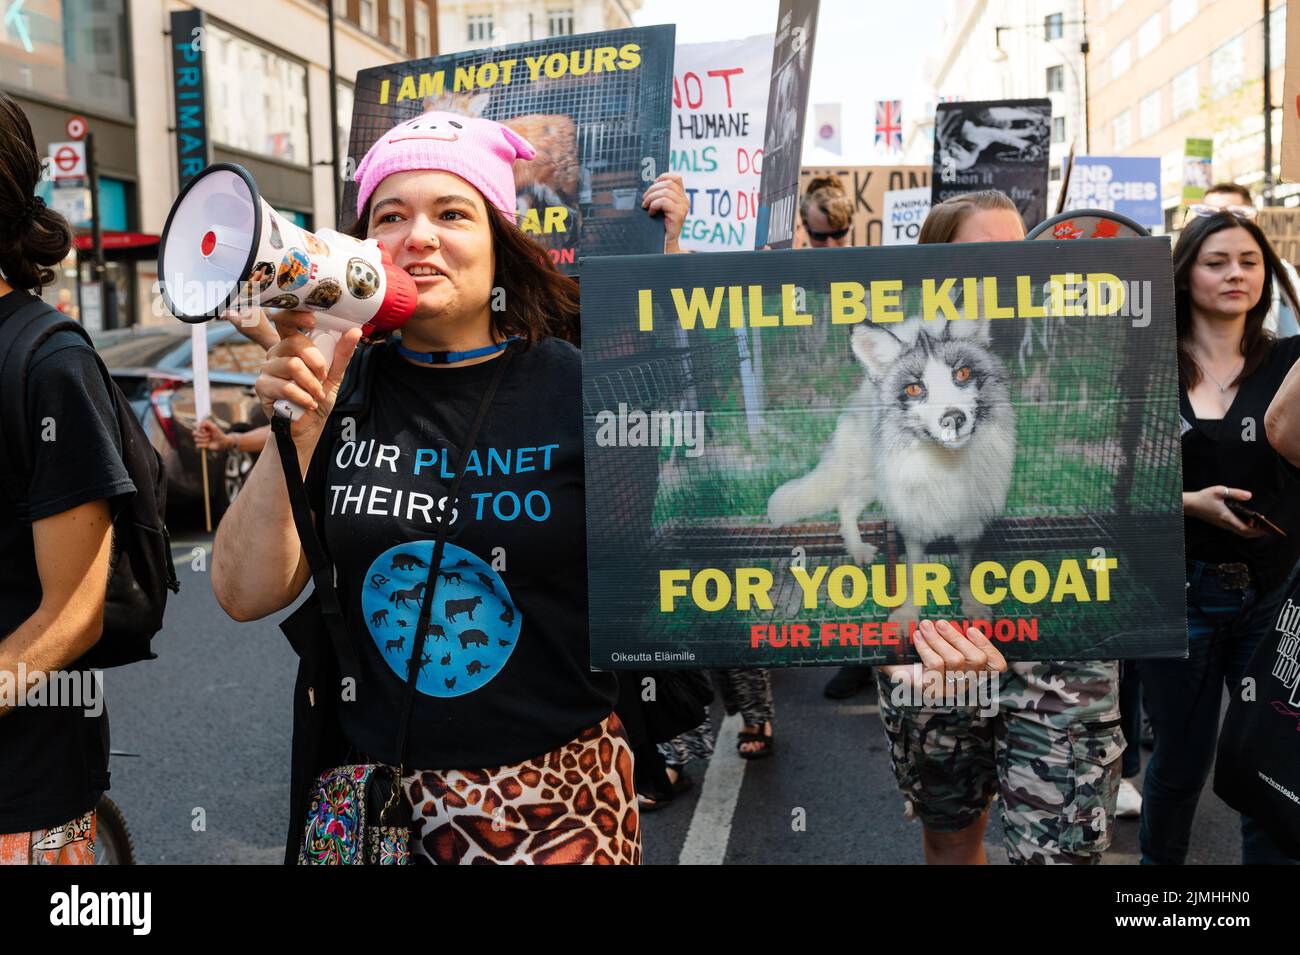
[1234, 451]
[505, 675]
[54, 760]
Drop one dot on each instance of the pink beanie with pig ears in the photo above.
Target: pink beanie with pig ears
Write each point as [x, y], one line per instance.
[480, 151]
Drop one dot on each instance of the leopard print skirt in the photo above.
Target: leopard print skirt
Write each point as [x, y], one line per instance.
[575, 805]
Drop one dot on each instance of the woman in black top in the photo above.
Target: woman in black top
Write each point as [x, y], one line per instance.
[515, 754]
[55, 537]
[1241, 500]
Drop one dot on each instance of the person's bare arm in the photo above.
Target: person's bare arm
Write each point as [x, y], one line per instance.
[1282, 420]
[258, 565]
[72, 554]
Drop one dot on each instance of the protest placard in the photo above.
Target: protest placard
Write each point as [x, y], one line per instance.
[1282, 226]
[787, 105]
[1129, 185]
[596, 108]
[719, 111]
[1198, 168]
[905, 211]
[995, 144]
[791, 457]
[866, 186]
[1291, 103]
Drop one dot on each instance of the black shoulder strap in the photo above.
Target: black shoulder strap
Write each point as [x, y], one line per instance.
[21, 334]
[322, 571]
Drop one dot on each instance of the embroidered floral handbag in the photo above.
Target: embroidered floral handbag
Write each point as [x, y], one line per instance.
[343, 827]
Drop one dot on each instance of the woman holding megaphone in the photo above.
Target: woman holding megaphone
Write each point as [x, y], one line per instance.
[449, 501]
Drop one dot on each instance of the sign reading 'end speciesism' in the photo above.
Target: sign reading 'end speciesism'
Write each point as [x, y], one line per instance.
[794, 457]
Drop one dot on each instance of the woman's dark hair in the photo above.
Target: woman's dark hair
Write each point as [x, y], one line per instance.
[1255, 340]
[32, 237]
[539, 299]
[944, 220]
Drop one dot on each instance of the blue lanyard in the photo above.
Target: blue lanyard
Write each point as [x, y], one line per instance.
[447, 357]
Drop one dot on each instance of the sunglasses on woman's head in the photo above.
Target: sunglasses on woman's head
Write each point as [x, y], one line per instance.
[824, 236]
[1202, 209]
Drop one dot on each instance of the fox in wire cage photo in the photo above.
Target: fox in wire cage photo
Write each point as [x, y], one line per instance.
[805, 492]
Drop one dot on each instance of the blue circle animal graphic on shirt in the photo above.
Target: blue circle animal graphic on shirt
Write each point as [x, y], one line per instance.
[473, 627]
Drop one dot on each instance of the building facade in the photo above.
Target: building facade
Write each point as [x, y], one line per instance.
[266, 106]
[470, 25]
[1010, 49]
[1169, 70]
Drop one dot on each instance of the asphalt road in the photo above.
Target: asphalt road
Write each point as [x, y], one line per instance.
[210, 720]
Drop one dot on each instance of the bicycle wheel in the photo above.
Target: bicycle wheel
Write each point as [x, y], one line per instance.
[113, 843]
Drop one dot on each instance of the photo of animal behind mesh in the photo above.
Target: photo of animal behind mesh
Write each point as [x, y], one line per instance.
[595, 107]
[1000, 145]
[824, 481]
[547, 186]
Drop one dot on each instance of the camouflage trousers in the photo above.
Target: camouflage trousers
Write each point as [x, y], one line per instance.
[1051, 754]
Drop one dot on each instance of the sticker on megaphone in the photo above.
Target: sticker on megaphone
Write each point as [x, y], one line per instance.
[223, 248]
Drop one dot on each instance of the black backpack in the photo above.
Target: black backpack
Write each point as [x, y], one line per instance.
[141, 569]
[1257, 769]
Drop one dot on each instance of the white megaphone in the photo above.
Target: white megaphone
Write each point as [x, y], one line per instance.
[223, 248]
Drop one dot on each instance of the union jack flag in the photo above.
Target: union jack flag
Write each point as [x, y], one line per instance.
[889, 124]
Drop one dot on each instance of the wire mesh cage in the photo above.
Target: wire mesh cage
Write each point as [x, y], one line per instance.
[595, 107]
[1095, 477]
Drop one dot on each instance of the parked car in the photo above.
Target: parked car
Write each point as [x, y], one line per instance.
[154, 368]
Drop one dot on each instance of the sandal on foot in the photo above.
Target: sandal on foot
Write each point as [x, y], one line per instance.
[750, 736]
[652, 804]
[683, 782]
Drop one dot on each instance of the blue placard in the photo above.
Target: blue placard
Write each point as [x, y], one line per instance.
[191, 103]
[1129, 185]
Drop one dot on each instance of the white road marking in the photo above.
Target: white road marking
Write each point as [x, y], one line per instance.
[706, 840]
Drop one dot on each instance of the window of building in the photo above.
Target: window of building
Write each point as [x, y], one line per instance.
[264, 96]
[1120, 60]
[423, 47]
[1121, 132]
[1055, 79]
[1186, 92]
[1227, 67]
[480, 27]
[1053, 26]
[1180, 12]
[397, 23]
[1058, 129]
[1149, 115]
[559, 22]
[76, 51]
[368, 16]
[1148, 36]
